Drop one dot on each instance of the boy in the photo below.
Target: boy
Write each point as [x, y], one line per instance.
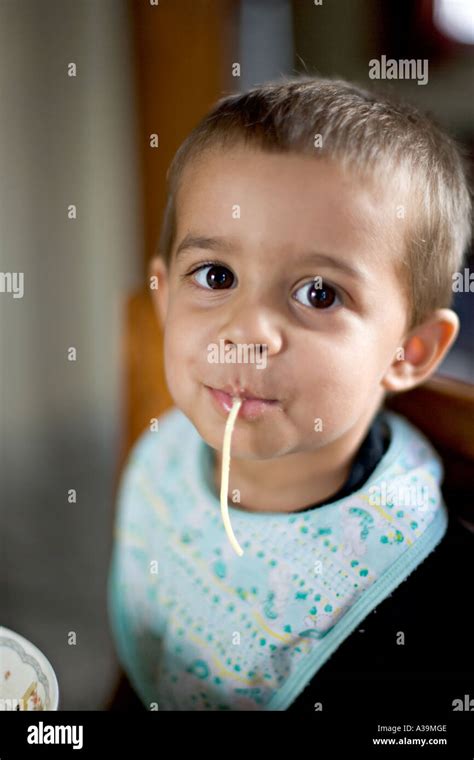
[323, 223]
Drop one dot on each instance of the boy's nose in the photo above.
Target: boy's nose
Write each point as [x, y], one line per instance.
[249, 329]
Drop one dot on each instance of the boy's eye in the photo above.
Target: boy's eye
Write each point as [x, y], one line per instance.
[319, 297]
[217, 278]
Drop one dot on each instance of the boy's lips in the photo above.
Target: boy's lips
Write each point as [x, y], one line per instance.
[244, 393]
[252, 406]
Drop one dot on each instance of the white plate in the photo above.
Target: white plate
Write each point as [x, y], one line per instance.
[21, 663]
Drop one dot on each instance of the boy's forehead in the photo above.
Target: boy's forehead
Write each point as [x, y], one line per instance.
[282, 200]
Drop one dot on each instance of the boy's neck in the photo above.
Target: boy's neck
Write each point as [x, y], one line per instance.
[296, 481]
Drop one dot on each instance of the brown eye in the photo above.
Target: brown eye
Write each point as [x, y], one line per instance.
[319, 297]
[217, 277]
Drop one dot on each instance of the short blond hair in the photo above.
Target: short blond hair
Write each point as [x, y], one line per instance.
[368, 132]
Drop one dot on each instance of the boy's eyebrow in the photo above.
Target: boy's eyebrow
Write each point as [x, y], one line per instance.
[191, 241]
[207, 243]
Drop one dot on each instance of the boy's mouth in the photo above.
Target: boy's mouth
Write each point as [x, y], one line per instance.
[252, 406]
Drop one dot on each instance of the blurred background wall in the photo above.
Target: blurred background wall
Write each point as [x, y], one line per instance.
[64, 140]
[84, 140]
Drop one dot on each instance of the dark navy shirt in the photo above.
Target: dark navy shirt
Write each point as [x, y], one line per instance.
[429, 608]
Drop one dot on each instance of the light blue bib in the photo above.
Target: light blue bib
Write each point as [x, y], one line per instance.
[198, 627]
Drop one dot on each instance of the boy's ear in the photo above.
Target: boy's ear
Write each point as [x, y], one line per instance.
[422, 351]
[159, 286]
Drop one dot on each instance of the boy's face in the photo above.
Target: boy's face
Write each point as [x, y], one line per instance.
[286, 220]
